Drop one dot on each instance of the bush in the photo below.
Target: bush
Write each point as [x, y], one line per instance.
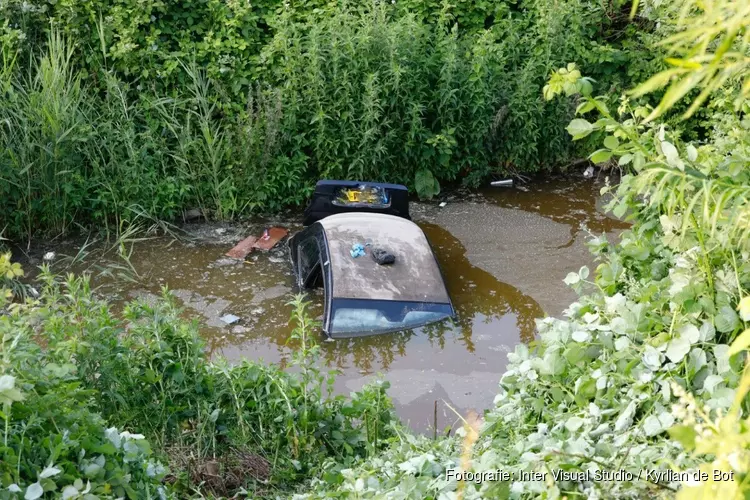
[230, 427]
[55, 442]
[117, 112]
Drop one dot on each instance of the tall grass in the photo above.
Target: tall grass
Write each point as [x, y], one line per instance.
[70, 154]
[43, 116]
[361, 92]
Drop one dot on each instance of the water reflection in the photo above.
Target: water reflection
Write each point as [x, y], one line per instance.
[490, 313]
[476, 294]
[569, 201]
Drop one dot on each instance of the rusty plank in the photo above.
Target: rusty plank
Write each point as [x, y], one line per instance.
[268, 241]
[243, 248]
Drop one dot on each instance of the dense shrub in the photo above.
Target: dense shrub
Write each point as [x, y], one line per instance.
[113, 111]
[369, 96]
[245, 426]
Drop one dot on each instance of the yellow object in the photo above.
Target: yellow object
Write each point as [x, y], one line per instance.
[361, 196]
[353, 195]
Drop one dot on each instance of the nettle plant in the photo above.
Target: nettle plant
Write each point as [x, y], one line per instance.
[697, 196]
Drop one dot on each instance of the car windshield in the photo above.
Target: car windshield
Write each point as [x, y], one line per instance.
[365, 317]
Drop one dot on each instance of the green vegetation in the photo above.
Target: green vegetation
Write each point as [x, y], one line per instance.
[654, 347]
[68, 406]
[647, 370]
[117, 111]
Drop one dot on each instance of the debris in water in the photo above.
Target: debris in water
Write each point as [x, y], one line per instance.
[589, 172]
[192, 214]
[243, 248]
[220, 230]
[230, 319]
[267, 241]
[223, 262]
[49, 256]
[442, 204]
[502, 183]
[238, 329]
[273, 236]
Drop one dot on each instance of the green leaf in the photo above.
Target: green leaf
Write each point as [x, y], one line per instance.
[638, 161]
[744, 308]
[620, 209]
[677, 349]
[655, 82]
[585, 87]
[584, 107]
[574, 423]
[572, 278]
[49, 472]
[671, 154]
[654, 425]
[626, 417]
[692, 153]
[709, 385]
[583, 272]
[579, 128]
[34, 491]
[727, 320]
[8, 391]
[611, 142]
[625, 159]
[426, 184]
[601, 156]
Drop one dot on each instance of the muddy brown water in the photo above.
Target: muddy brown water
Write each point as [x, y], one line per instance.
[457, 363]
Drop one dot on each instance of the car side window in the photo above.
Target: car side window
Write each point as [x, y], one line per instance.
[308, 255]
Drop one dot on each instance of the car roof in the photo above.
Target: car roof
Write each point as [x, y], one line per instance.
[414, 276]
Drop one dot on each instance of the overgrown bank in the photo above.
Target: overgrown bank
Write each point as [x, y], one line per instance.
[95, 406]
[645, 372]
[113, 112]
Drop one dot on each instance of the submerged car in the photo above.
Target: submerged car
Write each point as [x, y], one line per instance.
[366, 295]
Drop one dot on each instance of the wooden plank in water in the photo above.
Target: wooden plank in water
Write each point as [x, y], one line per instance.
[275, 234]
[243, 248]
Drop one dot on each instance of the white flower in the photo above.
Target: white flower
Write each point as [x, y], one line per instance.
[49, 472]
[127, 435]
